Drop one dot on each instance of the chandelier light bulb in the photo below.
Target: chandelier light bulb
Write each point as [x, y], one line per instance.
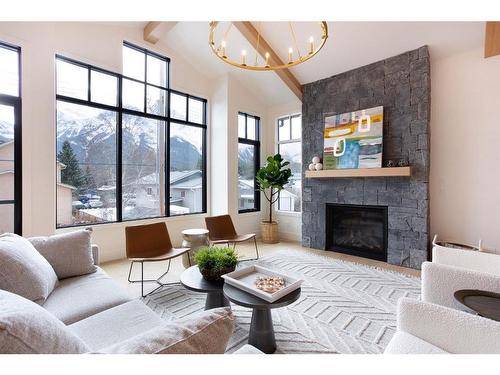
[267, 58]
[311, 45]
[223, 48]
[290, 52]
[243, 57]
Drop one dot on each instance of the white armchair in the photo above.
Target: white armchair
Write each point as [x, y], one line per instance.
[454, 269]
[426, 328]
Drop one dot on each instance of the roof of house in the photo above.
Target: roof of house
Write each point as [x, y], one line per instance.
[5, 144]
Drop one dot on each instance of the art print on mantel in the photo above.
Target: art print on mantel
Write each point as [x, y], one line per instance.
[353, 140]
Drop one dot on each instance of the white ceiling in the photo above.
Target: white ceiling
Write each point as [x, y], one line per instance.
[350, 45]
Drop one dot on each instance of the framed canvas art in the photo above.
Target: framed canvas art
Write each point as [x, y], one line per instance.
[354, 140]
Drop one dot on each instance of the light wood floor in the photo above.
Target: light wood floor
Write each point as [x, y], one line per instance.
[118, 270]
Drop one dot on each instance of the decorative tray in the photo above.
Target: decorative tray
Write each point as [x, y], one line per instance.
[245, 279]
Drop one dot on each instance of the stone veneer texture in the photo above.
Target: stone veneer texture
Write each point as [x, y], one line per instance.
[402, 85]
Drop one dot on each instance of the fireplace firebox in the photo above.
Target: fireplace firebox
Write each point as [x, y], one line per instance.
[359, 230]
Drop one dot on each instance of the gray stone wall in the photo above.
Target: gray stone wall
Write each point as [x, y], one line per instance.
[402, 85]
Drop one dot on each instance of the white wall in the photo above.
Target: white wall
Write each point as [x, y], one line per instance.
[219, 141]
[241, 100]
[290, 223]
[465, 148]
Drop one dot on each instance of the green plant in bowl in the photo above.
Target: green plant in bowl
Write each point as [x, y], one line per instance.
[214, 262]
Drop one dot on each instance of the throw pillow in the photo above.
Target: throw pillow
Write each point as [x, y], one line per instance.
[70, 254]
[23, 270]
[26, 328]
[205, 333]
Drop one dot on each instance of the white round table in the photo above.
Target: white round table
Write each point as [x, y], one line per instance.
[194, 239]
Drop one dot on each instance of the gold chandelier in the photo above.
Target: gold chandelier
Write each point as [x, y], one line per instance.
[269, 59]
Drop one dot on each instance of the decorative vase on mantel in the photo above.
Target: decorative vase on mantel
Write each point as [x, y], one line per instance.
[272, 178]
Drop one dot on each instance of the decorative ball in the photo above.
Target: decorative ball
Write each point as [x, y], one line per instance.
[311, 167]
[316, 160]
[318, 166]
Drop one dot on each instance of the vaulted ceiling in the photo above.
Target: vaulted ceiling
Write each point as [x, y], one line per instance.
[350, 45]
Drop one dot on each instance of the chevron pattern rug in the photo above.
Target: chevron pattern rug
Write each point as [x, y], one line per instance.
[344, 307]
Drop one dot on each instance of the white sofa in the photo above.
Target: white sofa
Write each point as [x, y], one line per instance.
[455, 269]
[439, 323]
[427, 328]
[91, 313]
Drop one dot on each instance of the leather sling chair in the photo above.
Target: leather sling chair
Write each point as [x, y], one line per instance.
[150, 243]
[221, 231]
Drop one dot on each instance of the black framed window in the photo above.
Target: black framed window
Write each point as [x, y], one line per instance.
[10, 139]
[114, 148]
[289, 135]
[248, 162]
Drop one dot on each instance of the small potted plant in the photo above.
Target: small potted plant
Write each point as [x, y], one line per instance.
[272, 178]
[214, 262]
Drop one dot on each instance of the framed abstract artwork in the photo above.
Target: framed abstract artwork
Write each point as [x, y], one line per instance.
[353, 140]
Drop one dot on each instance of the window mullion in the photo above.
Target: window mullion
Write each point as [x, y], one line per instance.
[119, 156]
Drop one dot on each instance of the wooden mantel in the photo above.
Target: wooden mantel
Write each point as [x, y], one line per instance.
[367, 172]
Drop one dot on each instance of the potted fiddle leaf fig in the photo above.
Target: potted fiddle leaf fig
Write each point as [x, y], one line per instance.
[272, 178]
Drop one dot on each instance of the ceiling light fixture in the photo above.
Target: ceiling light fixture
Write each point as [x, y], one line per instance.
[266, 60]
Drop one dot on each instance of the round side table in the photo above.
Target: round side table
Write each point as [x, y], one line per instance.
[261, 333]
[194, 239]
[192, 279]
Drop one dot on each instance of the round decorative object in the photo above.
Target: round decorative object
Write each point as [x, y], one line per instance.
[318, 166]
[211, 275]
[402, 163]
[316, 160]
[390, 163]
[311, 167]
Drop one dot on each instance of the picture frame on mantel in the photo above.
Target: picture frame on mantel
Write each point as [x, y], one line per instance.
[354, 140]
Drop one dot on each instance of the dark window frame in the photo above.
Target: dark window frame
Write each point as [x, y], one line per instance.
[16, 103]
[256, 144]
[120, 111]
[287, 141]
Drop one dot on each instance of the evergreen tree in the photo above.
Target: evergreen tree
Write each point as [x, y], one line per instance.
[88, 180]
[72, 174]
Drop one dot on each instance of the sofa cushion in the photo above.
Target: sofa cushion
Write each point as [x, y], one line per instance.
[406, 343]
[23, 270]
[77, 298]
[70, 254]
[206, 333]
[27, 328]
[116, 324]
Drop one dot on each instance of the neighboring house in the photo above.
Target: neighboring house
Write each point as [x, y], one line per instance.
[287, 200]
[185, 194]
[290, 196]
[64, 198]
[246, 194]
[186, 191]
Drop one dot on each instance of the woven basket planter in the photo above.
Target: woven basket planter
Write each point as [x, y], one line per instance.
[270, 232]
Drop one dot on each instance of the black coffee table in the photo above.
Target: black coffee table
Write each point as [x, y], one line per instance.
[261, 333]
[486, 304]
[192, 279]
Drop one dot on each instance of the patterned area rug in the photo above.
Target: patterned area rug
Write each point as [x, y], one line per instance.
[344, 307]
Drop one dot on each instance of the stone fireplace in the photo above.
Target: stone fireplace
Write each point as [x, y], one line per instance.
[401, 84]
[359, 230]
